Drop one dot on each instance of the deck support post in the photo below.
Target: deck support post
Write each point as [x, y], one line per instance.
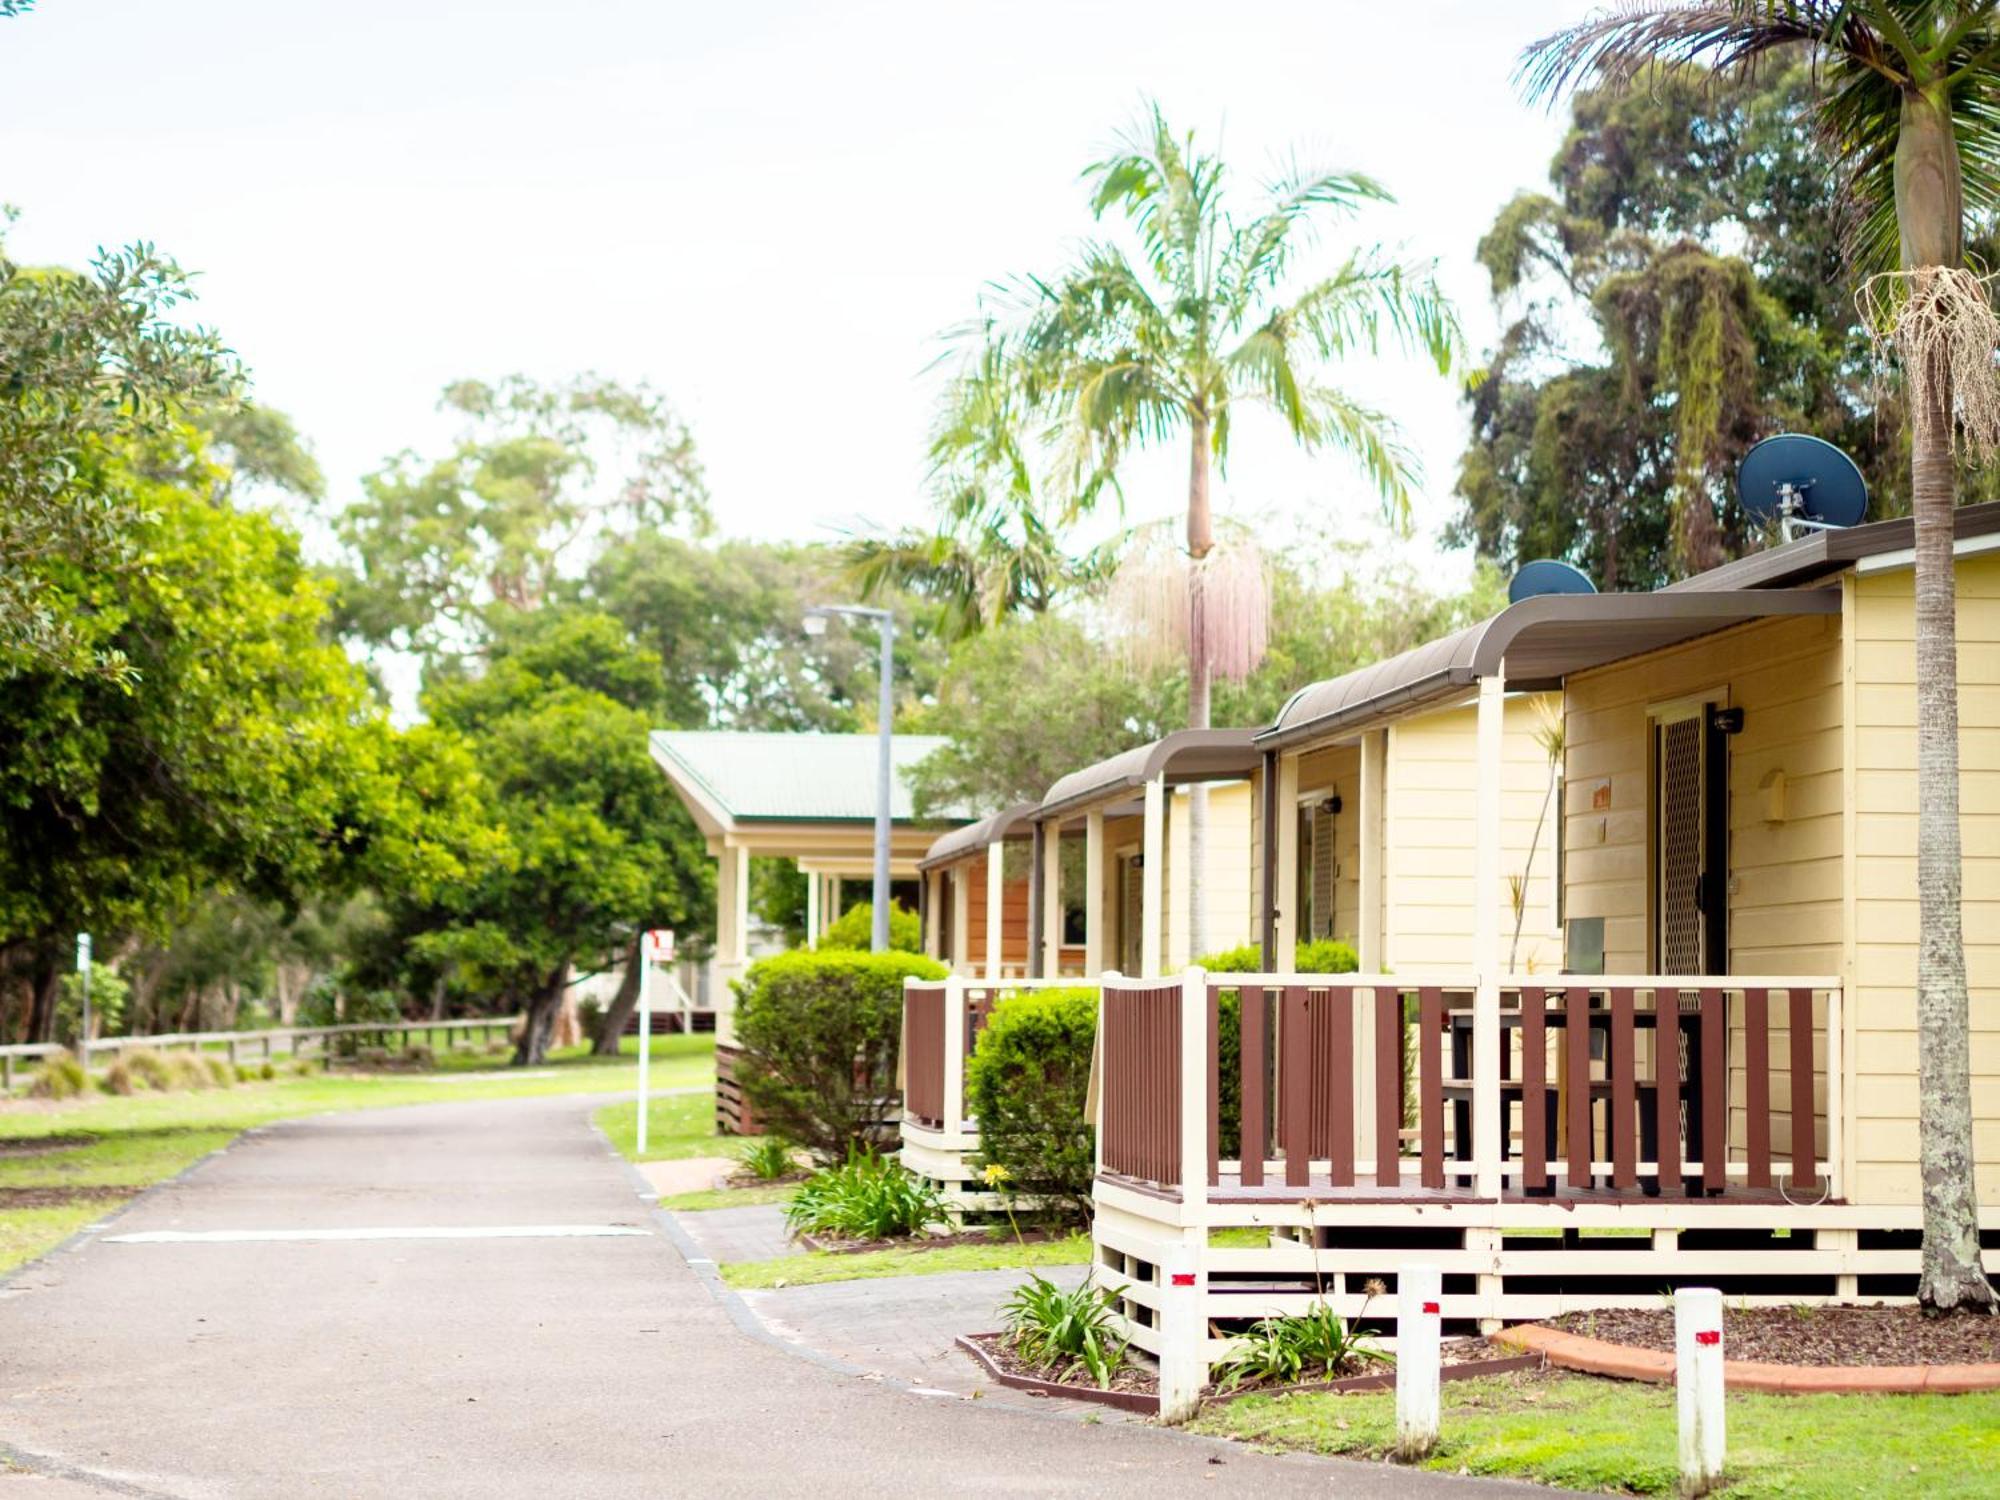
[732, 935]
[1052, 905]
[1152, 871]
[1486, 1122]
[1093, 892]
[996, 873]
[960, 957]
[812, 909]
[1368, 952]
[1036, 873]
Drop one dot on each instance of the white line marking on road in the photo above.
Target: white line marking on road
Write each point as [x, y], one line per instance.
[411, 1232]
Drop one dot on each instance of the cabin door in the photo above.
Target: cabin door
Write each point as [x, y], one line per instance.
[1690, 840]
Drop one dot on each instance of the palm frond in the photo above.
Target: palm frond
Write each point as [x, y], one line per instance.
[1620, 45]
[1375, 443]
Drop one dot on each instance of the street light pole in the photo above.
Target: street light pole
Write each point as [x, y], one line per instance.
[885, 768]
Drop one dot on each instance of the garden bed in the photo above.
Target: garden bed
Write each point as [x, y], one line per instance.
[1137, 1387]
[59, 1197]
[834, 1245]
[1815, 1336]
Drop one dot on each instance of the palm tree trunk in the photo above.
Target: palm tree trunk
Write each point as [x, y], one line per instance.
[1930, 215]
[1200, 540]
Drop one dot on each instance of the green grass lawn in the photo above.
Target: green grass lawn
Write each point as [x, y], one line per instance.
[1588, 1434]
[675, 1128]
[821, 1265]
[743, 1197]
[138, 1140]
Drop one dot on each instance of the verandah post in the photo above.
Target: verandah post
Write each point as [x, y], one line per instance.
[1184, 1271]
[1486, 1122]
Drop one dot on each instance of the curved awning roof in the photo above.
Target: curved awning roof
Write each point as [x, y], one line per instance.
[1014, 823]
[1183, 756]
[1541, 640]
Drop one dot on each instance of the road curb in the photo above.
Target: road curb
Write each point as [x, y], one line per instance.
[1572, 1351]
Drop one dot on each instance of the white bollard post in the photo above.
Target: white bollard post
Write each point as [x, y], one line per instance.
[1698, 1381]
[645, 1031]
[1419, 1325]
[1183, 1334]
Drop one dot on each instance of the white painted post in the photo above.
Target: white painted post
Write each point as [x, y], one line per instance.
[1698, 1381]
[1153, 857]
[812, 909]
[1490, 745]
[645, 1029]
[1183, 1332]
[1093, 892]
[996, 911]
[1419, 1321]
[961, 915]
[1052, 906]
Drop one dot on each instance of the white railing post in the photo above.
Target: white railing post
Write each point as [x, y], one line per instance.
[1836, 1094]
[1419, 1325]
[954, 1060]
[1183, 1274]
[1698, 1372]
[1194, 1097]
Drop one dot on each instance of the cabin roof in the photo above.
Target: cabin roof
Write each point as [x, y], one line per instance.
[1014, 823]
[1183, 756]
[727, 777]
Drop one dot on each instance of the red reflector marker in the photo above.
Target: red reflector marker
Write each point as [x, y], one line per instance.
[1183, 1278]
[1708, 1336]
[1431, 1307]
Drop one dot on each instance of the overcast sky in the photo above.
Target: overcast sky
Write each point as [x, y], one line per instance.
[769, 211]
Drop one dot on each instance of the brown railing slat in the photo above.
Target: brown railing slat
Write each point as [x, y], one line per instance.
[1255, 1098]
[1714, 1091]
[1430, 1065]
[1757, 1087]
[1388, 1087]
[1295, 1091]
[1340, 1136]
[1805, 1155]
[1667, 1085]
[1534, 1091]
[1576, 1088]
[923, 1068]
[1212, 1071]
[1624, 1115]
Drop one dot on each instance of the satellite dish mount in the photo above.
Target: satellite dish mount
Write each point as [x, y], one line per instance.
[1803, 483]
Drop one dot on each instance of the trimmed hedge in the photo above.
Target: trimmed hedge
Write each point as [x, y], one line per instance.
[1028, 1082]
[855, 930]
[820, 1034]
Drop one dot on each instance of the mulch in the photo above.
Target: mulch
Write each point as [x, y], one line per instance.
[1134, 1380]
[1812, 1336]
[835, 1246]
[43, 1145]
[59, 1197]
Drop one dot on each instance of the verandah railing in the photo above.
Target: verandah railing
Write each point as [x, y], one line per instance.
[942, 1020]
[1687, 1085]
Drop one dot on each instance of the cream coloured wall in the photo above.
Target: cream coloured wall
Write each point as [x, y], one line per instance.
[1427, 835]
[1882, 1137]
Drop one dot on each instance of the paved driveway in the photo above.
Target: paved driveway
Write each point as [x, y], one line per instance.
[594, 1363]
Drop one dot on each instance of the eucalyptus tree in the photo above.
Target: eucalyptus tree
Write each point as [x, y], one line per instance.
[1908, 93]
[1160, 335]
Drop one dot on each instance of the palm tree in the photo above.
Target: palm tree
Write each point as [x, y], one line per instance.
[1121, 352]
[1909, 96]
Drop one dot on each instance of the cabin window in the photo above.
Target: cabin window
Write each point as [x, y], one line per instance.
[1318, 865]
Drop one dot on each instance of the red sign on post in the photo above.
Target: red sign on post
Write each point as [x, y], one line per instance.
[660, 945]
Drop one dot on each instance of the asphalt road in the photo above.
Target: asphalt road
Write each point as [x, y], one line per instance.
[494, 1367]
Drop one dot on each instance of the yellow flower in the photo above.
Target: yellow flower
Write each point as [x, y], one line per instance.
[996, 1174]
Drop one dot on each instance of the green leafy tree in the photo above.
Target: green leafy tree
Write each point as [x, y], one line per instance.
[1906, 91]
[1161, 337]
[540, 474]
[92, 365]
[597, 847]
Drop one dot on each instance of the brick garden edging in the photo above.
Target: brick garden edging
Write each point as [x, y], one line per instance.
[1145, 1402]
[1573, 1351]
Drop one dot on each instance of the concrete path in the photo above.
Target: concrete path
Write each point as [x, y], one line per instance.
[902, 1326]
[494, 1367]
[726, 1234]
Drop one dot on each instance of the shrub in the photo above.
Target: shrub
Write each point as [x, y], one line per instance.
[1053, 1329]
[221, 1073]
[769, 1158]
[186, 1070]
[855, 930]
[120, 1079]
[1316, 1345]
[867, 1197]
[148, 1068]
[820, 1033]
[1028, 1083]
[59, 1078]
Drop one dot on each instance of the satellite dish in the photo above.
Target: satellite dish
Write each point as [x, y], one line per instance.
[1547, 576]
[1802, 483]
